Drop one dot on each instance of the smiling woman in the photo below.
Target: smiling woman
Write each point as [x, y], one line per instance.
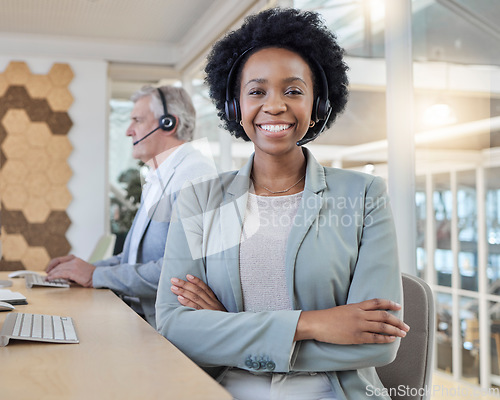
[276, 98]
[277, 279]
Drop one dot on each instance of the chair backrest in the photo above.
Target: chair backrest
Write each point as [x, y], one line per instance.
[408, 377]
[104, 248]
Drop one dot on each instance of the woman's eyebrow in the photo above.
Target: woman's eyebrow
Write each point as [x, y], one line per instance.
[256, 80]
[293, 79]
[286, 80]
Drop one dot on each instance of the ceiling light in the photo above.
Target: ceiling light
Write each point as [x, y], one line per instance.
[439, 114]
[377, 10]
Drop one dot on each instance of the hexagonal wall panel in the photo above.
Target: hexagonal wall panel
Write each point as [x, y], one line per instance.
[15, 197]
[38, 134]
[61, 74]
[59, 172]
[36, 210]
[15, 122]
[35, 258]
[34, 160]
[60, 99]
[15, 147]
[34, 148]
[37, 184]
[14, 171]
[59, 198]
[38, 85]
[17, 73]
[13, 247]
[60, 147]
[3, 84]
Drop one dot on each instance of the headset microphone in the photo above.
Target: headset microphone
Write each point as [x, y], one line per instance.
[141, 139]
[302, 142]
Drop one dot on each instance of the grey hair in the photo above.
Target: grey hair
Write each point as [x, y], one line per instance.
[179, 104]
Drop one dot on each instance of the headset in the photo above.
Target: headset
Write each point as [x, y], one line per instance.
[167, 122]
[321, 108]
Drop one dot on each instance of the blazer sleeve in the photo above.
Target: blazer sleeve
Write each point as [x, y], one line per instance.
[215, 338]
[135, 280]
[113, 260]
[376, 275]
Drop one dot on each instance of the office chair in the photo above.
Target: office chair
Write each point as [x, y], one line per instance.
[104, 248]
[411, 370]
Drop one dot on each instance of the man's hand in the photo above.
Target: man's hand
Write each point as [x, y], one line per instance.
[71, 268]
[196, 294]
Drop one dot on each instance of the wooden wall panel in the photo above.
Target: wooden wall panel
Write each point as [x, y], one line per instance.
[34, 172]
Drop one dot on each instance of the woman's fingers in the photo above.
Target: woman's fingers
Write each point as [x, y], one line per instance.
[385, 317]
[202, 285]
[379, 304]
[196, 294]
[376, 310]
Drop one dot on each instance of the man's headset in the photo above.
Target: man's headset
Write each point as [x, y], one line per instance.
[321, 108]
[166, 122]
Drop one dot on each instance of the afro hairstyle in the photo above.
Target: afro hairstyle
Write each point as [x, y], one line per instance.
[303, 32]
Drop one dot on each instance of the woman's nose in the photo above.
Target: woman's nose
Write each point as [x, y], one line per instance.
[274, 104]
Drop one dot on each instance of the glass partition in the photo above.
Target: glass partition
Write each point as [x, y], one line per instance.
[467, 229]
[493, 227]
[469, 330]
[444, 332]
[421, 208]
[443, 204]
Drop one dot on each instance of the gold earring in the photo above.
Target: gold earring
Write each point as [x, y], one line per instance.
[311, 124]
[241, 123]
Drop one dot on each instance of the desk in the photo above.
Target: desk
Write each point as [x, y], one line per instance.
[120, 356]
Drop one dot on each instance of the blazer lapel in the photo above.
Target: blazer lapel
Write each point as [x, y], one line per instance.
[307, 214]
[232, 212]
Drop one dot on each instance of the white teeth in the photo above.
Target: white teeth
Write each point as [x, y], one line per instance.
[275, 128]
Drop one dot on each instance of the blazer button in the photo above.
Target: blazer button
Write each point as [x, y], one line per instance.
[270, 366]
[256, 365]
[262, 364]
[249, 363]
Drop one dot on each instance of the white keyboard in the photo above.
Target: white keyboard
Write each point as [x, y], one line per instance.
[38, 327]
[39, 280]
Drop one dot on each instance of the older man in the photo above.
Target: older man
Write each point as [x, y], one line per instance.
[162, 124]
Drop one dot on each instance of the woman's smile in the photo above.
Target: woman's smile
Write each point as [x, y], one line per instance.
[275, 130]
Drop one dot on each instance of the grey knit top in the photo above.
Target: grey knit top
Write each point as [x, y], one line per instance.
[266, 226]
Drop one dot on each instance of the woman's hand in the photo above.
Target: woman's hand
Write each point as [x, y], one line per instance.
[358, 323]
[196, 294]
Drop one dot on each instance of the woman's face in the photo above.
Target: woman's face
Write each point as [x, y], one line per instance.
[276, 100]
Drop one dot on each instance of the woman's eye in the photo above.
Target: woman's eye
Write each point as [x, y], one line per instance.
[255, 92]
[293, 92]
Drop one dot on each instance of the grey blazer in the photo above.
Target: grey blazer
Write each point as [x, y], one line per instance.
[141, 280]
[341, 249]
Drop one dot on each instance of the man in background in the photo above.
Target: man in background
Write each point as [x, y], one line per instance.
[162, 124]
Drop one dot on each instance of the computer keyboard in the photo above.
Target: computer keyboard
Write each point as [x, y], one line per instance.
[38, 327]
[39, 280]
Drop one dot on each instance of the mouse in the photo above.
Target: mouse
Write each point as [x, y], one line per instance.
[22, 273]
[6, 306]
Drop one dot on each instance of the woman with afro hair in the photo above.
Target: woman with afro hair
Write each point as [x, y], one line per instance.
[283, 274]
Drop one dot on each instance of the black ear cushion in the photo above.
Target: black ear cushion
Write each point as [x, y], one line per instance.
[167, 122]
[232, 108]
[321, 109]
[314, 114]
